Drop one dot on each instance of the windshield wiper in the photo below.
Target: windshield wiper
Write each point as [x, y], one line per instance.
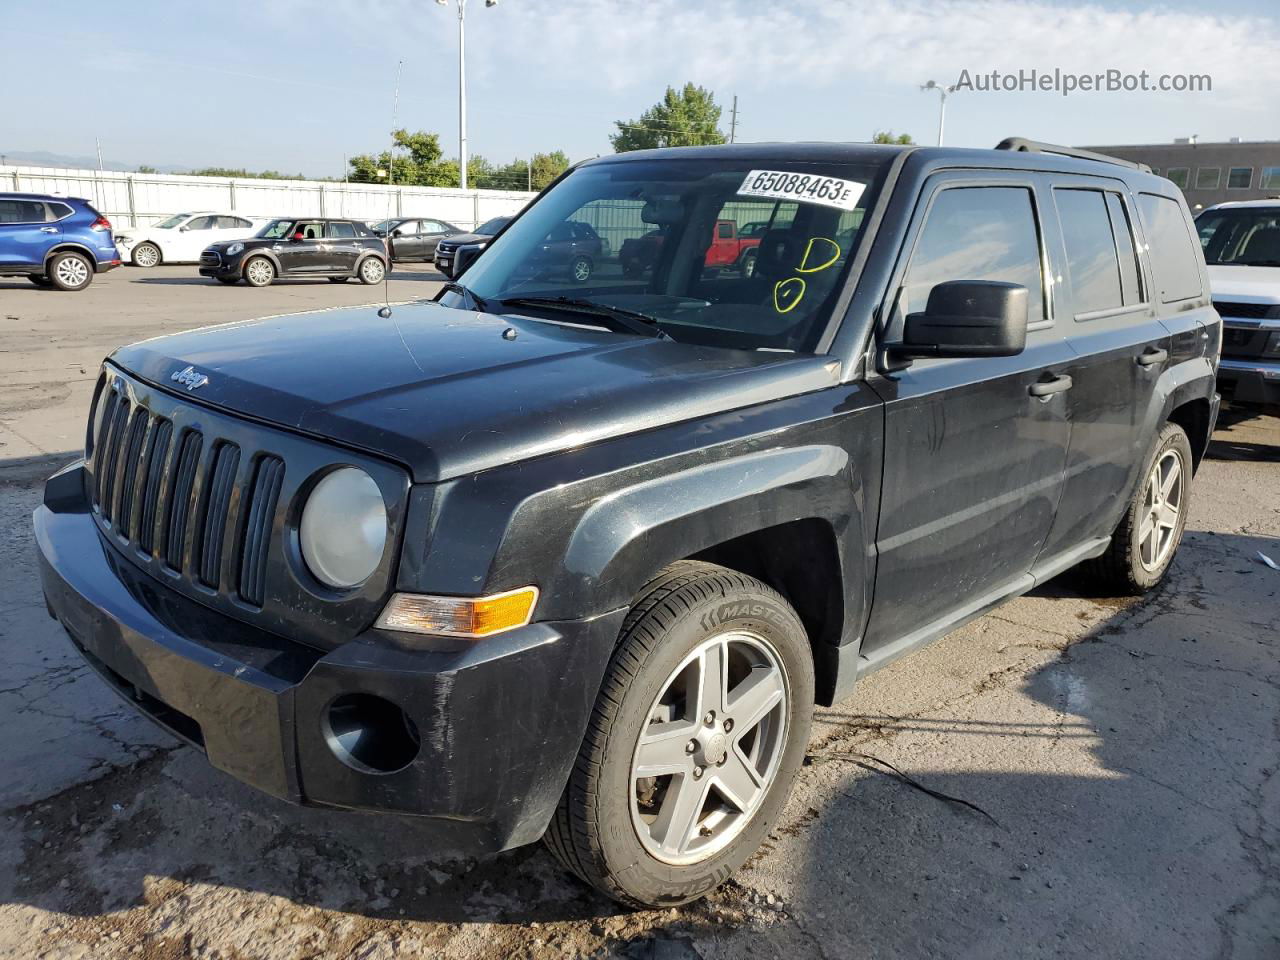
[632, 321]
[477, 302]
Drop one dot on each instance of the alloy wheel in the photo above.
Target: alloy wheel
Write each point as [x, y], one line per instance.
[371, 270]
[72, 271]
[1161, 509]
[146, 255]
[711, 748]
[260, 272]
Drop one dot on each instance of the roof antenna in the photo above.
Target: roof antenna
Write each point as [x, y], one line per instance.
[385, 311]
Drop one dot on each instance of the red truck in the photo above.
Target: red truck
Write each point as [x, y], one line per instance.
[730, 247]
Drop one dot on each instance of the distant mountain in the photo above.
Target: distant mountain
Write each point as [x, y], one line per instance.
[43, 158]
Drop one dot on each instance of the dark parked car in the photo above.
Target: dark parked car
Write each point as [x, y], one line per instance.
[56, 242]
[447, 247]
[299, 247]
[413, 238]
[578, 559]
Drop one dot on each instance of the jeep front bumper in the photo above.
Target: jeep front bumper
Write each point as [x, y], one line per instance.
[498, 724]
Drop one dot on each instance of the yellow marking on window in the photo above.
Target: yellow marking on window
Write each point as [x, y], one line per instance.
[809, 249]
[779, 294]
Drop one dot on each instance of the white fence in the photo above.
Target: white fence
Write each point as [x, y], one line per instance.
[139, 199]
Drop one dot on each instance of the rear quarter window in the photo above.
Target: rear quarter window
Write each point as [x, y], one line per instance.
[1175, 257]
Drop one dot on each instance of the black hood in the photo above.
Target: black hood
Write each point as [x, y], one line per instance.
[445, 393]
[458, 239]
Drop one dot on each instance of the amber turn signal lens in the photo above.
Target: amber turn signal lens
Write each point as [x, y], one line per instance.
[459, 616]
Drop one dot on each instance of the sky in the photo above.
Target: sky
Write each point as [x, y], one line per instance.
[295, 85]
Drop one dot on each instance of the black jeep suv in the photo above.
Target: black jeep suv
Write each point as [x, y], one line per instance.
[577, 560]
[301, 247]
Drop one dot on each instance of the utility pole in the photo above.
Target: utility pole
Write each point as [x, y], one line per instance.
[462, 85]
[942, 109]
[733, 120]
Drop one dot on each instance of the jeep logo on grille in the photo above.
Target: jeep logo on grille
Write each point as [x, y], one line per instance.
[189, 378]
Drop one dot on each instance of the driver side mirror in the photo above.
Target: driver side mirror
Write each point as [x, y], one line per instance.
[397, 233]
[296, 237]
[967, 318]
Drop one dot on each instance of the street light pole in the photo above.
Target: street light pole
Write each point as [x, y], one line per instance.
[462, 85]
[942, 107]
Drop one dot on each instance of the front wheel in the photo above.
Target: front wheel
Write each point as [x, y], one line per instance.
[259, 272]
[1144, 544]
[694, 741]
[145, 255]
[70, 271]
[580, 269]
[372, 271]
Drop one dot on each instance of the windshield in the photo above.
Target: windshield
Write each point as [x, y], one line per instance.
[725, 252]
[172, 222]
[1245, 237]
[275, 230]
[382, 226]
[490, 227]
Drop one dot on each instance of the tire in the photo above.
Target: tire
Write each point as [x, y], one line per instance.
[580, 269]
[70, 271]
[228, 280]
[371, 270]
[259, 272]
[338, 279]
[40, 280]
[747, 264]
[145, 254]
[611, 827]
[1137, 560]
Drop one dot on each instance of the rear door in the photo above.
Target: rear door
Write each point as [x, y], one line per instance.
[27, 230]
[973, 461]
[343, 248]
[1121, 348]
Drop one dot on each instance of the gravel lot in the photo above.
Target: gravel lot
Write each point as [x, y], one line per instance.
[1126, 754]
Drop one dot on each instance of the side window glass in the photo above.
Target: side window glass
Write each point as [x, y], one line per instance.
[202, 223]
[1174, 262]
[342, 230]
[977, 233]
[58, 211]
[1091, 250]
[310, 230]
[21, 211]
[1130, 279]
[724, 231]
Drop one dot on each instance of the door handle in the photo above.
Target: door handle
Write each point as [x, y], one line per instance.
[1047, 388]
[1149, 358]
[48, 229]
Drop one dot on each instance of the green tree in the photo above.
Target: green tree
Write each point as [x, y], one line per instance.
[682, 118]
[418, 161]
[888, 136]
[534, 173]
[242, 173]
[146, 169]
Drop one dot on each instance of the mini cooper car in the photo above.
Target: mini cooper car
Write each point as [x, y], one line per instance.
[299, 247]
[182, 237]
[576, 560]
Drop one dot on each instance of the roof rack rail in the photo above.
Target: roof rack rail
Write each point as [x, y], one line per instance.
[1022, 145]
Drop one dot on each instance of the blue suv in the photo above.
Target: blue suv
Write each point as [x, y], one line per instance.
[54, 241]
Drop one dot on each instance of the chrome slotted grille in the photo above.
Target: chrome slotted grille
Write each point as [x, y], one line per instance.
[172, 494]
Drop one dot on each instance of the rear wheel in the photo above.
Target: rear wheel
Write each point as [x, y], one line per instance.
[372, 271]
[694, 742]
[1144, 544]
[70, 271]
[145, 255]
[747, 265]
[259, 272]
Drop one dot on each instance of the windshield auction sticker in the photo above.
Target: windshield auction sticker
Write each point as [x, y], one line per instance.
[803, 188]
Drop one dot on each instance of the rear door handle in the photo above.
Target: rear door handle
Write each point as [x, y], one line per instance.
[1047, 388]
[1150, 358]
[48, 229]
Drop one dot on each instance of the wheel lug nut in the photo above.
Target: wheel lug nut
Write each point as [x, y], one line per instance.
[710, 718]
[728, 726]
[697, 773]
[704, 831]
[691, 746]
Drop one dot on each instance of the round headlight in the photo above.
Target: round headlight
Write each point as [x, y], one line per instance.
[234, 249]
[344, 528]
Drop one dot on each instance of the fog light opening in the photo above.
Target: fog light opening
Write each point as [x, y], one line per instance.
[370, 734]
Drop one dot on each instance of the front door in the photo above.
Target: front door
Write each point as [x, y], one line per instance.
[1121, 349]
[191, 238]
[304, 250]
[975, 447]
[24, 233]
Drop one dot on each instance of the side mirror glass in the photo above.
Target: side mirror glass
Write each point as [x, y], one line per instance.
[968, 318]
[397, 233]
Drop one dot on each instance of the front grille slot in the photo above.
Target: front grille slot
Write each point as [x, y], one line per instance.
[210, 258]
[268, 477]
[217, 503]
[157, 456]
[110, 454]
[184, 478]
[1246, 311]
[129, 471]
